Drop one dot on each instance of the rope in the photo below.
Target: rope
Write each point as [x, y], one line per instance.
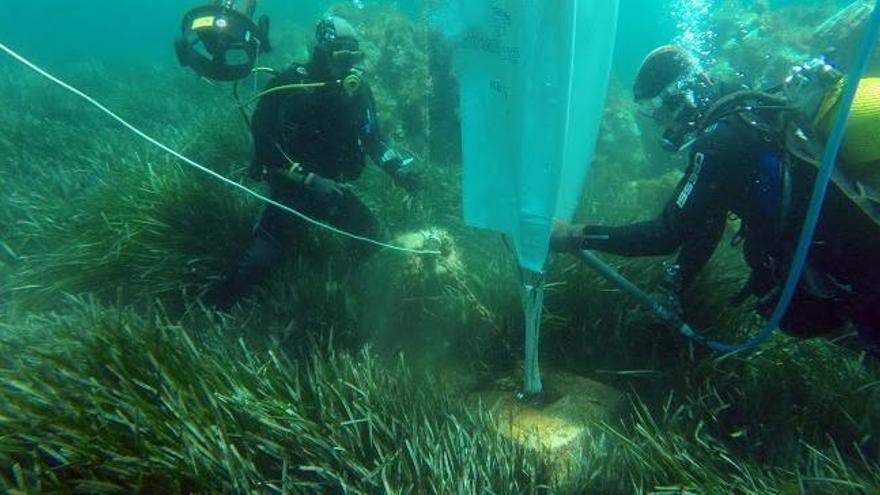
[286, 87]
[202, 168]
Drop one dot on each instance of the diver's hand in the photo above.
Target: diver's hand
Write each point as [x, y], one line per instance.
[402, 171]
[669, 293]
[566, 238]
[671, 301]
[408, 178]
[324, 188]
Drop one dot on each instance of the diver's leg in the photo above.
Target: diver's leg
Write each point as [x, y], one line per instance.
[274, 237]
[266, 251]
[354, 216]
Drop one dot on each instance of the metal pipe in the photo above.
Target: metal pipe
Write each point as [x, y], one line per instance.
[663, 313]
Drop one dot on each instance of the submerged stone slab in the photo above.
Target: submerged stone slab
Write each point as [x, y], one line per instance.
[555, 423]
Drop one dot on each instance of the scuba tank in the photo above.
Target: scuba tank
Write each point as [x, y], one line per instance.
[799, 114]
[814, 91]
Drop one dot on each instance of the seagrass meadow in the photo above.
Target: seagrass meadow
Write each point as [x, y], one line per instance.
[335, 377]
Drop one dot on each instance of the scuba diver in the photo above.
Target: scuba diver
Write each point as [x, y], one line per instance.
[753, 155]
[314, 126]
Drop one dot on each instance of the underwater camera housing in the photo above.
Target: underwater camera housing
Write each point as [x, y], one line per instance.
[221, 43]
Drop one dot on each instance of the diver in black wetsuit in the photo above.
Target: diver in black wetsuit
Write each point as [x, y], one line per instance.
[739, 167]
[313, 130]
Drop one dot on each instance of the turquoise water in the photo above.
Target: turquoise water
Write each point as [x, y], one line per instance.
[60, 31]
[64, 31]
[89, 210]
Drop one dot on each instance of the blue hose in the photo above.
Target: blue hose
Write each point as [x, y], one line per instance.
[820, 188]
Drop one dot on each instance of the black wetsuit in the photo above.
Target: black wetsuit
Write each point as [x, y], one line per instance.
[738, 169]
[325, 131]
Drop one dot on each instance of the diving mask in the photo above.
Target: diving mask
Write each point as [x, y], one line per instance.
[347, 58]
[668, 106]
[675, 110]
[344, 52]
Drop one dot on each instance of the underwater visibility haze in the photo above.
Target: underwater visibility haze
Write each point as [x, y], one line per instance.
[440, 246]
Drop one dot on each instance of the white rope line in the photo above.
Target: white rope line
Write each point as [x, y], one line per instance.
[202, 168]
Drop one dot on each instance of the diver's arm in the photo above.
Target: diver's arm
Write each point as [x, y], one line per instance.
[381, 154]
[267, 138]
[372, 136]
[693, 220]
[700, 205]
[650, 238]
[698, 246]
[657, 237]
[266, 124]
[695, 229]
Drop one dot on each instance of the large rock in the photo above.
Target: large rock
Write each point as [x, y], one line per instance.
[556, 423]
